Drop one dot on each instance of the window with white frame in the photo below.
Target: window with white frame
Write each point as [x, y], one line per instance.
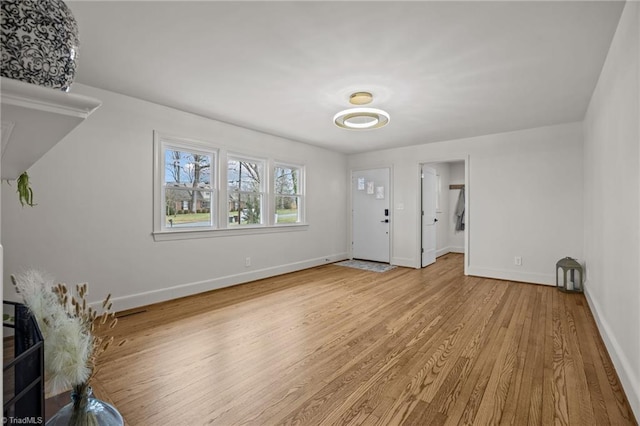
[192, 201]
[187, 192]
[288, 193]
[245, 191]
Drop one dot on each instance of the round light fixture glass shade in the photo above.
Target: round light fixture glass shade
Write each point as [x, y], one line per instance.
[361, 121]
[361, 118]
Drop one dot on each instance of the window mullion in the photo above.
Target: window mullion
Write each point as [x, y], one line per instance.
[223, 199]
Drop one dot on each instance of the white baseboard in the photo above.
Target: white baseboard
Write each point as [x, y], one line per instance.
[405, 262]
[449, 249]
[411, 263]
[443, 251]
[630, 383]
[503, 274]
[188, 289]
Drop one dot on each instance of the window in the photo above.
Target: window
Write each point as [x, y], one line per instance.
[245, 191]
[191, 199]
[288, 191]
[187, 190]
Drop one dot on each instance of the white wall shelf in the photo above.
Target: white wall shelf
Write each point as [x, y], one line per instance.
[34, 119]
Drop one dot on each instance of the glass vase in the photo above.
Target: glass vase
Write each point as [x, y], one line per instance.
[85, 410]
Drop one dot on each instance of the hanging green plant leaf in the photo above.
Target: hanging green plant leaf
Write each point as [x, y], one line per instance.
[25, 193]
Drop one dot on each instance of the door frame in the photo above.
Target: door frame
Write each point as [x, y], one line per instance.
[467, 190]
[353, 171]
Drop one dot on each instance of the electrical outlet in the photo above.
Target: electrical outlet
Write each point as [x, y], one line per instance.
[247, 262]
[517, 261]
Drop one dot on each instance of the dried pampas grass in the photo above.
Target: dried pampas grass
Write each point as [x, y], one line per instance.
[68, 326]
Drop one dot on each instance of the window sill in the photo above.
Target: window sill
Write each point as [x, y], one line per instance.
[188, 234]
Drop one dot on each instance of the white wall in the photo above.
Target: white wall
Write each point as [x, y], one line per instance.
[93, 221]
[525, 199]
[611, 202]
[456, 238]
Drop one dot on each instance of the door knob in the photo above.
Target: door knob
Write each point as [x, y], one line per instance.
[385, 221]
[435, 220]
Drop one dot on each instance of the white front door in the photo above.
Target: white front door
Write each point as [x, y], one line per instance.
[429, 195]
[371, 214]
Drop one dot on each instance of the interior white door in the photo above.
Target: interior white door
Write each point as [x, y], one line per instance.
[371, 215]
[429, 197]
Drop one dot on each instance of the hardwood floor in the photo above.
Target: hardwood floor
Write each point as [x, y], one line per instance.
[335, 345]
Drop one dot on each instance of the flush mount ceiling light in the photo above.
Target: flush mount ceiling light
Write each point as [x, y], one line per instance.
[361, 98]
[361, 118]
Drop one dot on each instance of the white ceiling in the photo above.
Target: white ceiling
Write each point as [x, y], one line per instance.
[443, 70]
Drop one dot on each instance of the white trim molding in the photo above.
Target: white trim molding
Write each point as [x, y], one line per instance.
[189, 289]
[404, 261]
[622, 365]
[188, 234]
[504, 274]
[443, 251]
[34, 119]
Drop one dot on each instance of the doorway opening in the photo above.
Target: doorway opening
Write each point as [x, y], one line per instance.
[444, 211]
